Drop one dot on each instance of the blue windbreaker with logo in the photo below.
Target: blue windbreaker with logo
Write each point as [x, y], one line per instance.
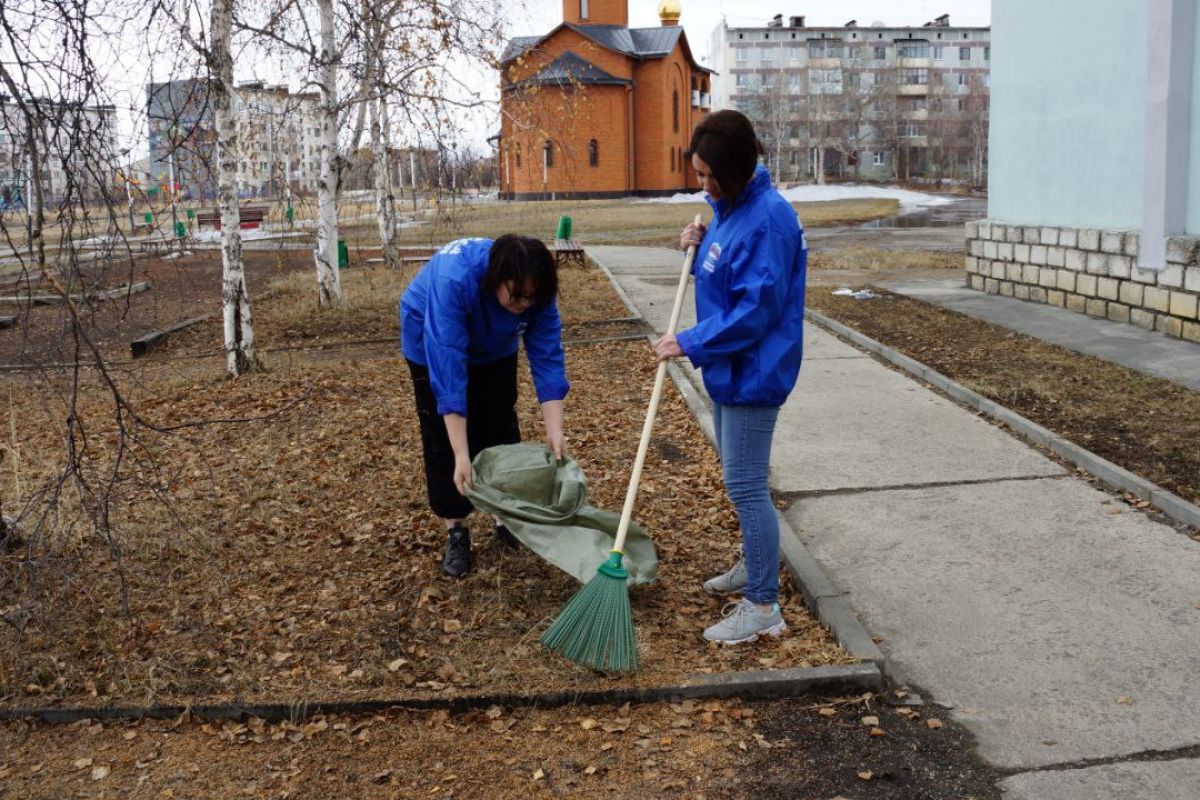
[750, 271]
[447, 324]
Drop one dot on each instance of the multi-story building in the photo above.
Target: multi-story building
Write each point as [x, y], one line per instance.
[76, 149]
[878, 102]
[278, 134]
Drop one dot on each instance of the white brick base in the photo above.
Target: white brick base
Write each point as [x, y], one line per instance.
[1090, 271]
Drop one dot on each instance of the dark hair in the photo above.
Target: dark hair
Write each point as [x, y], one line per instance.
[514, 259]
[725, 140]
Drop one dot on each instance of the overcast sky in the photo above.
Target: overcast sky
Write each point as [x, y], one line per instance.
[700, 17]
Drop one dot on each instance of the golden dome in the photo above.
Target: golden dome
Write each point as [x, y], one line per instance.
[669, 10]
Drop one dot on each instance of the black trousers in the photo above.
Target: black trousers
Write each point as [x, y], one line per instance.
[491, 420]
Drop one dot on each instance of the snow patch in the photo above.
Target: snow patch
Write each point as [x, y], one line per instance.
[814, 193]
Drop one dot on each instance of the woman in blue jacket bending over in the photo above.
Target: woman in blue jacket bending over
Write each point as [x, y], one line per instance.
[747, 342]
[462, 320]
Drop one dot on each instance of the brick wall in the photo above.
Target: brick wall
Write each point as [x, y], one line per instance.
[1090, 271]
[654, 164]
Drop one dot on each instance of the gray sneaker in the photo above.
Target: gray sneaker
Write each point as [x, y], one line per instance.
[731, 582]
[744, 622]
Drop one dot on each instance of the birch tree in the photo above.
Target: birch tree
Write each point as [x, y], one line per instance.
[385, 199]
[329, 284]
[235, 297]
[217, 54]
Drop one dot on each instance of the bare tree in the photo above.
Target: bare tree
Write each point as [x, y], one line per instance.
[217, 53]
[235, 297]
[329, 285]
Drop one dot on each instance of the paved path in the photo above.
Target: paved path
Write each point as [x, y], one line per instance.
[1063, 627]
[1125, 344]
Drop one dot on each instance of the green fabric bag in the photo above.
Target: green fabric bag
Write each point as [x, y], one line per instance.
[544, 504]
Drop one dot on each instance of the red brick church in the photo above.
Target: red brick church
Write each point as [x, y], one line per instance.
[597, 109]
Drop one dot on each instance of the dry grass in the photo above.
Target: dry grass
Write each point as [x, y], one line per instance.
[608, 221]
[872, 260]
[286, 315]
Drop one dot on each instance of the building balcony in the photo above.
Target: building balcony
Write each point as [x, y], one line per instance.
[919, 89]
[915, 63]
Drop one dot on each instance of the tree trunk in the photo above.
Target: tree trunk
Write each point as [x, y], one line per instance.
[235, 299]
[329, 285]
[821, 165]
[385, 201]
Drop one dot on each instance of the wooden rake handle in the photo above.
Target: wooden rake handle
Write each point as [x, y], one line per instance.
[652, 411]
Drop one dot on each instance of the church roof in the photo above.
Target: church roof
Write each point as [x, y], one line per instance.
[639, 43]
[656, 41]
[518, 45]
[571, 69]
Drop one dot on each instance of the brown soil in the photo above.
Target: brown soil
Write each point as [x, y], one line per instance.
[180, 289]
[799, 750]
[1145, 424]
[294, 557]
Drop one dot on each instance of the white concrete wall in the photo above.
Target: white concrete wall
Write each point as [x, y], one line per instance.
[1068, 109]
[1193, 213]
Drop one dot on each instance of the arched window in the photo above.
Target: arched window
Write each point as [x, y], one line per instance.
[593, 153]
[675, 110]
[548, 153]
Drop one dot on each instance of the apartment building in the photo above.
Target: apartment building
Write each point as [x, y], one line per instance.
[75, 147]
[278, 137]
[870, 102]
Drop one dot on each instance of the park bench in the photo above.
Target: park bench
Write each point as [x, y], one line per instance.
[157, 243]
[248, 217]
[568, 250]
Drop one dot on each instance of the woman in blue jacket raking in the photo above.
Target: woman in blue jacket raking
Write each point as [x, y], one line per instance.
[747, 342]
[462, 320]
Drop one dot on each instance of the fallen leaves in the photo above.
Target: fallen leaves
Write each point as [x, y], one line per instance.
[251, 598]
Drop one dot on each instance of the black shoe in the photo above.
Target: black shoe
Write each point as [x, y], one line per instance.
[457, 561]
[506, 537]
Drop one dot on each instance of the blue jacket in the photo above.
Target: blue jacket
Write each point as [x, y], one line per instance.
[750, 272]
[448, 324]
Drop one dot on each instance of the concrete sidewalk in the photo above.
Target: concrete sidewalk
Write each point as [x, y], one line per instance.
[1062, 627]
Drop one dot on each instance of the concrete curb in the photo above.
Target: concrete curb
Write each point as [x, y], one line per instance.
[1107, 472]
[758, 685]
[820, 595]
[53, 299]
[144, 344]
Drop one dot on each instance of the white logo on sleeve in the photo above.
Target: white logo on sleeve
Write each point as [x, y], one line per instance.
[714, 255]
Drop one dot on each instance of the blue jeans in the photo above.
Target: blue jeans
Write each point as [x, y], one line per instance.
[744, 444]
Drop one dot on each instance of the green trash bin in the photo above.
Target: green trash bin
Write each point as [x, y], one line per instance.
[290, 213]
[180, 230]
[149, 217]
[191, 213]
[343, 254]
[564, 228]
